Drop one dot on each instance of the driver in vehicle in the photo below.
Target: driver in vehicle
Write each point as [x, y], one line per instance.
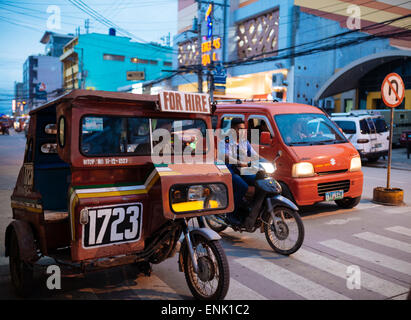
[234, 151]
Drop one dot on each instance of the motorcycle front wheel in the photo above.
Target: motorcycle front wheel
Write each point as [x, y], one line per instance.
[288, 236]
[213, 277]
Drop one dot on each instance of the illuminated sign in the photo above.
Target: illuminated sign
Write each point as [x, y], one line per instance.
[208, 53]
[209, 21]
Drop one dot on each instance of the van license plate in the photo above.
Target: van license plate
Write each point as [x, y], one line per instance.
[334, 195]
[113, 224]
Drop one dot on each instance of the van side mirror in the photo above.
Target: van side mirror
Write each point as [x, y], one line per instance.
[265, 137]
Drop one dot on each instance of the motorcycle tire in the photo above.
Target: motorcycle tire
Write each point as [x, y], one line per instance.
[274, 239]
[213, 279]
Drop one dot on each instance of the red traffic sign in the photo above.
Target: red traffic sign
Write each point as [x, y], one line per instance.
[392, 90]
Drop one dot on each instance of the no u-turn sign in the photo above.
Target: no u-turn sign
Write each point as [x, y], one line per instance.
[392, 90]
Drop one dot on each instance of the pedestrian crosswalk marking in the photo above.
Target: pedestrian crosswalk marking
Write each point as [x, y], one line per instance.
[238, 291]
[287, 279]
[401, 230]
[384, 241]
[368, 255]
[338, 269]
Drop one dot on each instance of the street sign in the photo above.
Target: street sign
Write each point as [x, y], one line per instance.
[392, 93]
[136, 75]
[392, 90]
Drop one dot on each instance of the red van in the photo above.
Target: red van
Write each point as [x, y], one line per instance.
[317, 164]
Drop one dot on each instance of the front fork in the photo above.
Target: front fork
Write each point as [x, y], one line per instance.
[270, 209]
[190, 248]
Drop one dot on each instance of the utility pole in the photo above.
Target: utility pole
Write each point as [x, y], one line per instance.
[199, 41]
[87, 25]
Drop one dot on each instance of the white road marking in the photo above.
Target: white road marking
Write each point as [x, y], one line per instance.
[342, 221]
[293, 282]
[338, 269]
[401, 230]
[368, 255]
[238, 291]
[363, 206]
[384, 241]
[398, 210]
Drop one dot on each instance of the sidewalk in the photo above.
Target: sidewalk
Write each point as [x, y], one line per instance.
[399, 160]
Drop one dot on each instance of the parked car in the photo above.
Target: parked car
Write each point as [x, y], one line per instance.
[367, 132]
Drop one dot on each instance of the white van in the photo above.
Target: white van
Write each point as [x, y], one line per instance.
[366, 130]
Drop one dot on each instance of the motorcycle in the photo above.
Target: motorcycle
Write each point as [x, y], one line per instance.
[268, 211]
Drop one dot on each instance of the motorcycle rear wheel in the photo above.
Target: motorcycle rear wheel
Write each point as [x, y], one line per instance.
[289, 222]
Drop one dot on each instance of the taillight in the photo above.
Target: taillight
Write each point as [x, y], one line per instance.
[363, 141]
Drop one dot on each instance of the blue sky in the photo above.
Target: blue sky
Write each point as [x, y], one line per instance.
[23, 22]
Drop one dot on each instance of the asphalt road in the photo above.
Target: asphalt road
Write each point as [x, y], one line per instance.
[372, 239]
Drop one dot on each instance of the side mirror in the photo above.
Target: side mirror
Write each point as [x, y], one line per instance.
[265, 138]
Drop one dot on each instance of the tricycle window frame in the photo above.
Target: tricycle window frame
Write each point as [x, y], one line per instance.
[133, 154]
[61, 143]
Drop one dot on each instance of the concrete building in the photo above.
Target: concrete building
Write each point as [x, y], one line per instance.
[108, 62]
[42, 79]
[55, 42]
[333, 53]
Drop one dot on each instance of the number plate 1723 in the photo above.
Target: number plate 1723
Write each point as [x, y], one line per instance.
[113, 225]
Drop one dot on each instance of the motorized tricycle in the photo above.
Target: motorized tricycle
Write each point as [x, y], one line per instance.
[268, 211]
[92, 192]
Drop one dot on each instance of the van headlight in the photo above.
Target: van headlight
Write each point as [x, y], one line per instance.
[198, 197]
[355, 164]
[302, 170]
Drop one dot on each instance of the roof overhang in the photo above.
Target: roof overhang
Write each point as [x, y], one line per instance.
[348, 77]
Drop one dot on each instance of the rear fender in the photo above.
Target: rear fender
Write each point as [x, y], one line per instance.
[25, 238]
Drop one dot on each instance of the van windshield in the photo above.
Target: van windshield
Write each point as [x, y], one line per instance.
[115, 135]
[308, 129]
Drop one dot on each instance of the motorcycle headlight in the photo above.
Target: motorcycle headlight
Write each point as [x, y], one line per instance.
[355, 164]
[198, 197]
[268, 167]
[302, 169]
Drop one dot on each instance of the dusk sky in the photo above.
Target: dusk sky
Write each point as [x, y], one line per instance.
[23, 22]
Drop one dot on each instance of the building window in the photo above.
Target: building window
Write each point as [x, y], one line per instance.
[167, 64]
[188, 53]
[143, 61]
[258, 35]
[113, 57]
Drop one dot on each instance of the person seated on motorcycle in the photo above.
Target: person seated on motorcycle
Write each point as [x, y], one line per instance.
[236, 151]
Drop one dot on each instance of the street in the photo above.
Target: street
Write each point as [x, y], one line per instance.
[371, 241]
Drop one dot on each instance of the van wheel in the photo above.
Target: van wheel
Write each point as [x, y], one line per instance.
[21, 272]
[348, 203]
